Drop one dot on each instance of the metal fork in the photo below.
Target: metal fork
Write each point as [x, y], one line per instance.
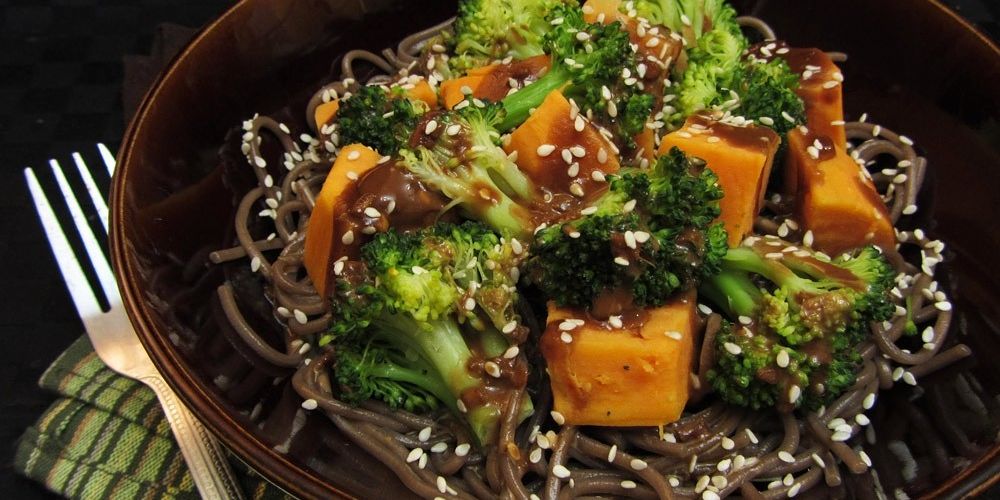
[111, 333]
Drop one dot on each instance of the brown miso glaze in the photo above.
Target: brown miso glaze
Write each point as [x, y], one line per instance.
[752, 138]
[386, 186]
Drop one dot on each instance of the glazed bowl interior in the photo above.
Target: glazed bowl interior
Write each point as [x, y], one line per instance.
[913, 67]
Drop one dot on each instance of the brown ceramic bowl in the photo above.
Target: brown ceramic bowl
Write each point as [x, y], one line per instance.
[914, 67]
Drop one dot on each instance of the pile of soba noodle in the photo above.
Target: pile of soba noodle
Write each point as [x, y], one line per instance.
[710, 453]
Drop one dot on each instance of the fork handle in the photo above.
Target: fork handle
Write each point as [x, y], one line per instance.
[205, 458]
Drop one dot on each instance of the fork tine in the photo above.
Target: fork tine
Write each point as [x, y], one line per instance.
[109, 159]
[95, 195]
[76, 282]
[90, 244]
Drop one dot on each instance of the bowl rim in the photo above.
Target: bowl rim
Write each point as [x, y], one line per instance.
[975, 479]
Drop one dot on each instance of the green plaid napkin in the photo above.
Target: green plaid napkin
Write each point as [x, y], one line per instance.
[106, 437]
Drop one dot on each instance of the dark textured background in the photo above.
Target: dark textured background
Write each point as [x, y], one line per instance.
[61, 76]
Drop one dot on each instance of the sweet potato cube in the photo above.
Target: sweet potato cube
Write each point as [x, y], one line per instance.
[324, 234]
[740, 156]
[631, 376]
[834, 199]
[549, 136]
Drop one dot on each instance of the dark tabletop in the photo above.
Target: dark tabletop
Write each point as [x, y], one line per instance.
[61, 75]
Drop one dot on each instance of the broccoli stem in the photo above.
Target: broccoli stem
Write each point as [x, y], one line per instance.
[748, 260]
[440, 342]
[733, 290]
[519, 104]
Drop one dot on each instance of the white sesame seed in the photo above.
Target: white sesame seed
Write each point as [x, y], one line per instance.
[492, 369]
[576, 190]
[414, 455]
[909, 378]
[424, 434]
[621, 261]
[566, 338]
[602, 156]
[701, 484]
[788, 479]
[612, 453]
[840, 436]
[862, 419]
[560, 471]
[310, 404]
[638, 464]
[709, 495]
[615, 321]
[751, 435]
[784, 456]
[574, 170]
[545, 149]
[943, 306]
[588, 211]
[704, 309]
[794, 393]
[300, 316]
[469, 304]
[794, 490]
[579, 124]
[558, 417]
[567, 156]
[807, 239]
[462, 449]
[628, 206]
[782, 358]
[865, 458]
[372, 212]
[439, 447]
[732, 348]
[787, 117]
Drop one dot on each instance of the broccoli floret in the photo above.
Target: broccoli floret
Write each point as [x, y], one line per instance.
[588, 61]
[402, 332]
[767, 89]
[378, 117]
[800, 319]
[714, 47]
[488, 30]
[651, 234]
[461, 159]
[690, 18]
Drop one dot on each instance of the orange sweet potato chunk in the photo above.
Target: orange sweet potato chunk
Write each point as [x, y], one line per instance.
[553, 126]
[323, 236]
[835, 200]
[325, 112]
[740, 156]
[634, 376]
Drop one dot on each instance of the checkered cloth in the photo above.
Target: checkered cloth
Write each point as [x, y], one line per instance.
[106, 437]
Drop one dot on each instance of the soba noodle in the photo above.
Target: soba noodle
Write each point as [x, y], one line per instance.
[713, 452]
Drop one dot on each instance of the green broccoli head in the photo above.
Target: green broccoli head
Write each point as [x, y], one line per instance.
[802, 317]
[767, 89]
[403, 320]
[460, 158]
[690, 18]
[489, 30]
[651, 233]
[588, 64]
[377, 370]
[378, 117]
[712, 66]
